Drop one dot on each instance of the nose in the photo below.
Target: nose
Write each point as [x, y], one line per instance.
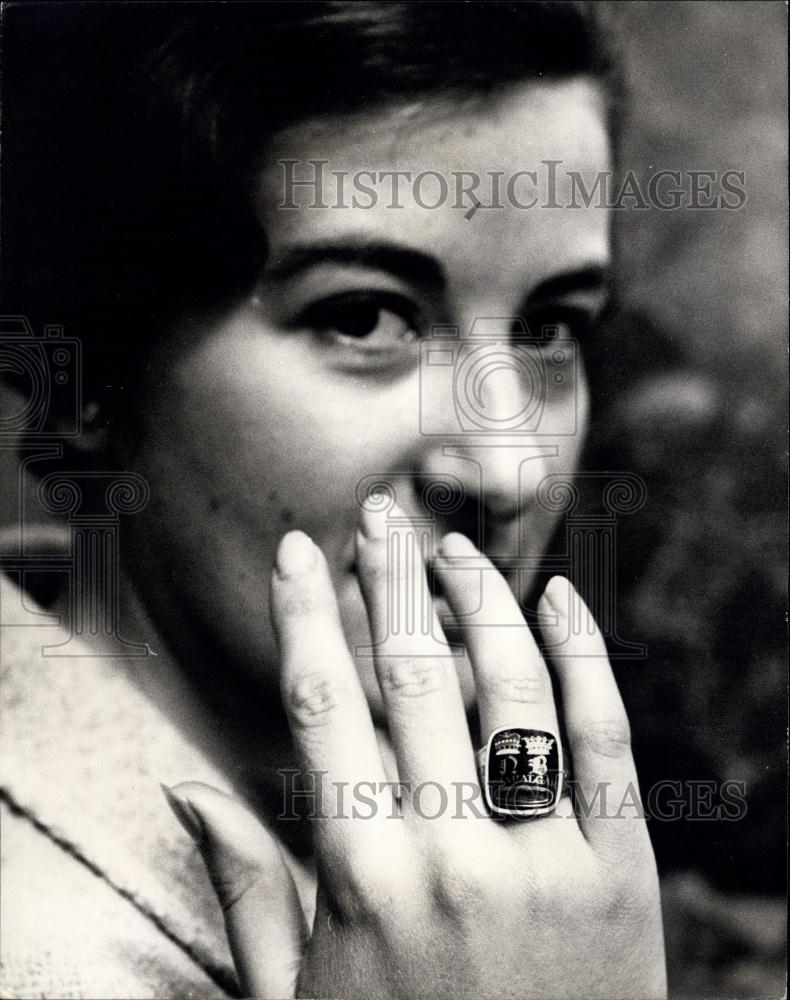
[490, 455]
[488, 487]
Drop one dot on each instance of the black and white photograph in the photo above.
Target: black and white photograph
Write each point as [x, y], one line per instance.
[393, 499]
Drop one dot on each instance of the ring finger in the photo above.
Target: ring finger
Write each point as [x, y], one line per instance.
[513, 684]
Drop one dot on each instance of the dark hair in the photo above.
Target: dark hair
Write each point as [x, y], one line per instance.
[133, 132]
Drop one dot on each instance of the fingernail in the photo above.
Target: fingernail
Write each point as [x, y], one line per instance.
[556, 593]
[185, 813]
[296, 554]
[456, 545]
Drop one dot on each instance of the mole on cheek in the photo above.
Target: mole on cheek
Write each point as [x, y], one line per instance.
[213, 504]
[286, 516]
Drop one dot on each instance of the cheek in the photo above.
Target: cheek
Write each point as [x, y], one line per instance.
[257, 437]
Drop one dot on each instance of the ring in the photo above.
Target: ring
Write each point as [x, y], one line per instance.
[521, 772]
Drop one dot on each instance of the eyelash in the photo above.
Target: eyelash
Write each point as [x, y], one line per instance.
[328, 316]
[579, 321]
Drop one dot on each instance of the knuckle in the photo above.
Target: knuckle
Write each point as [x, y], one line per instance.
[312, 698]
[525, 688]
[465, 879]
[231, 889]
[636, 874]
[629, 897]
[623, 891]
[367, 893]
[605, 737]
[414, 677]
[301, 604]
[460, 889]
[375, 564]
[353, 901]
[557, 890]
[551, 881]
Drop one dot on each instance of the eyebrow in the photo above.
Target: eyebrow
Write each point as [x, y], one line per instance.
[422, 269]
[409, 265]
[595, 278]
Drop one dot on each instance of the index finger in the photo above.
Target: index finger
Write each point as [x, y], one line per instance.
[327, 711]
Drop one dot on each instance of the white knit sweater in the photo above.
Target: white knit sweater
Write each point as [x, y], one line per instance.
[103, 895]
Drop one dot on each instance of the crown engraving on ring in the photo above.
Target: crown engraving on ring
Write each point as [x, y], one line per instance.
[522, 772]
[533, 744]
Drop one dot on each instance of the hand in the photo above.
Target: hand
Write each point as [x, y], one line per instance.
[460, 905]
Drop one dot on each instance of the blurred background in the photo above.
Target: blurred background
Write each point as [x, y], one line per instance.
[703, 565]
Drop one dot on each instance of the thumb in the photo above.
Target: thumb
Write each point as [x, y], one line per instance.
[266, 927]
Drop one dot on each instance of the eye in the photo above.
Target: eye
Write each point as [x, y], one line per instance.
[378, 320]
[551, 322]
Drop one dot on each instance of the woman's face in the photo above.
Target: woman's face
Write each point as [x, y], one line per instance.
[275, 414]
